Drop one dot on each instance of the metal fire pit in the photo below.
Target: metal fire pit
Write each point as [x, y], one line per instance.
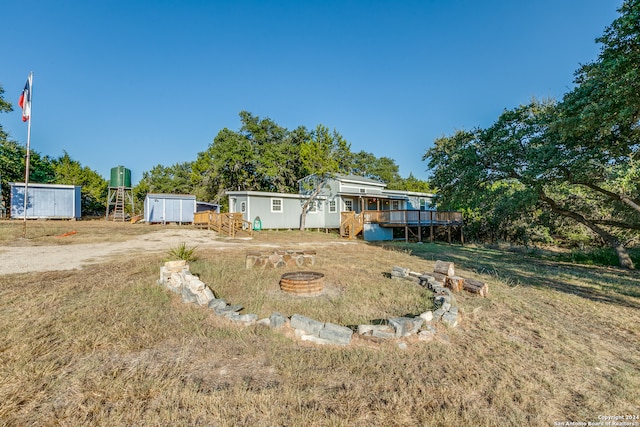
[307, 283]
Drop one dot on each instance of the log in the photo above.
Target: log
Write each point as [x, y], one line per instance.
[468, 284]
[439, 277]
[476, 287]
[454, 283]
[445, 268]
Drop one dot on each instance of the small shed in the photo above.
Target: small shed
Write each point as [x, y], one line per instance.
[45, 201]
[164, 208]
[205, 206]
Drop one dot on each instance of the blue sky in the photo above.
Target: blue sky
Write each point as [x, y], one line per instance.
[141, 83]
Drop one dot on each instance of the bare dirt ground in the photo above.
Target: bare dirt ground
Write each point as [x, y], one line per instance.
[39, 258]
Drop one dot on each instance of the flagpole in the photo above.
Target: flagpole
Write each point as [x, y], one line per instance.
[27, 161]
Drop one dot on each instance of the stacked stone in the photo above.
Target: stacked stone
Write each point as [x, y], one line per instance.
[444, 301]
[400, 327]
[175, 276]
[319, 332]
[277, 259]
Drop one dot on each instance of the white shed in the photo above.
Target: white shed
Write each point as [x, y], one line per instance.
[163, 208]
[45, 201]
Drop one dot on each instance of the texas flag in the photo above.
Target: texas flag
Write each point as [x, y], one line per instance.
[25, 100]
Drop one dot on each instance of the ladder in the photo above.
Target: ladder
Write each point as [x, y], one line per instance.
[118, 212]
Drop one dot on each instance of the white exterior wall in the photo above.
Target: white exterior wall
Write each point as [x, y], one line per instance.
[339, 189]
[261, 204]
[163, 208]
[45, 201]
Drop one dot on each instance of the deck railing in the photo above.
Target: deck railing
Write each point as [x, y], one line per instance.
[351, 223]
[410, 217]
[225, 223]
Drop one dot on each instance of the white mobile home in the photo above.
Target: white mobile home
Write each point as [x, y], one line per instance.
[45, 201]
[342, 193]
[277, 210]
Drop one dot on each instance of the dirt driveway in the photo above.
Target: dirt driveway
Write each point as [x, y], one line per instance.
[27, 259]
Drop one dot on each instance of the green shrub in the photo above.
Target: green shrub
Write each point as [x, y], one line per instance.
[182, 252]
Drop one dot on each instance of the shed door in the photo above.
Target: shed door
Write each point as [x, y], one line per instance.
[44, 203]
[63, 204]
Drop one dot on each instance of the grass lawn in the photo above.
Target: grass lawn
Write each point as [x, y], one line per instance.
[105, 345]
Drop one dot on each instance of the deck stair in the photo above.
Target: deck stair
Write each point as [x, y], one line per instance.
[229, 224]
[351, 224]
[413, 222]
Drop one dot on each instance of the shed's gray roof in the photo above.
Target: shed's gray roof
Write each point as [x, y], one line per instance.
[171, 196]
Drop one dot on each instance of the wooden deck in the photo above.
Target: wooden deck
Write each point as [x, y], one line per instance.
[413, 222]
[230, 224]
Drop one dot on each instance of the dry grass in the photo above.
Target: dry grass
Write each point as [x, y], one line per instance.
[107, 346]
[52, 232]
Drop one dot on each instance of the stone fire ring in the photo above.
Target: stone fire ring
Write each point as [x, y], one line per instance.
[304, 283]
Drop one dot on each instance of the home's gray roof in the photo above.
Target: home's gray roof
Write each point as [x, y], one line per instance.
[359, 179]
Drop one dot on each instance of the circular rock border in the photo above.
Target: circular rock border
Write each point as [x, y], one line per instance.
[176, 276]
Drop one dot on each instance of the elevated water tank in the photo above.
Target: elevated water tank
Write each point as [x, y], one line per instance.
[120, 177]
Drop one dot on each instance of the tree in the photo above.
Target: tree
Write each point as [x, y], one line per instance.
[598, 122]
[94, 187]
[323, 155]
[518, 154]
[174, 179]
[275, 152]
[7, 161]
[411, 183]
[261, 156]
[227, 164]
[11, 164]
[382, 169]
[576, 159]
[12, 167]
[5, 107]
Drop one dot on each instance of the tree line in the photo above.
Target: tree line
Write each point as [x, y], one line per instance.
[260, 156]
[547, 171]
[557, 169]
[264, 156]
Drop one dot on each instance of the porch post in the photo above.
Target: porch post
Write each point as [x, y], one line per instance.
[431, 226]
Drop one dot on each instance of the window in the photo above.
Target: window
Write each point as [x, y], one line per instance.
[395, 205]
[333, 207]
[348, 205]
[243, 207]
[276, 205]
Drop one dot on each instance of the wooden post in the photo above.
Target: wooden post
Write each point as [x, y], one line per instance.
[419, 226]
[449, 232]
[431, 226]
[462, 234]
